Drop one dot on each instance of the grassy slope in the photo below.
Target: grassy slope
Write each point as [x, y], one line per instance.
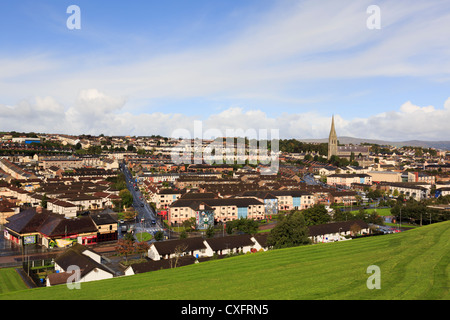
[10, 281]
[381, 212]
[414, 265]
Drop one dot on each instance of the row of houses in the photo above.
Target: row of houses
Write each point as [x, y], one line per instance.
[163, 253]
[254, 205]
[370, 177]
[72, 162]
[63, 198]
[182, 252]
[14, 171]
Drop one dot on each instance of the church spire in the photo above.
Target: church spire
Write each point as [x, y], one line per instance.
[332, 140]
[333, 130]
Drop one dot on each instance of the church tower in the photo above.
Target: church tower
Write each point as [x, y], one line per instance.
[332, 141]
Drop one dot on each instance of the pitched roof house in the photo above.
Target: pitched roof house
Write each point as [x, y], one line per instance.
[330, 232]
[86, 261]
[168, 249]
[40, 226]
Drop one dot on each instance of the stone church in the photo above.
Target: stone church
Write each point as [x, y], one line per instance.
[346, 150]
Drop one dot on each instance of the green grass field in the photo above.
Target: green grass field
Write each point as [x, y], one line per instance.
[10, 281]
[380, 212]
[413, 264]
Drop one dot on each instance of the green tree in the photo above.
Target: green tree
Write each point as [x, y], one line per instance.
[290, 231]
[159, 235]
[210, 232]
[129, 236]
[316, 215]
[44, 201]
[248, 226]
[127, 198]
[183, 234]
[189, 224]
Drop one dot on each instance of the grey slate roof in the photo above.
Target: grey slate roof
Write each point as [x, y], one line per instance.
[169, 247]
[230, 242]
[335, 227]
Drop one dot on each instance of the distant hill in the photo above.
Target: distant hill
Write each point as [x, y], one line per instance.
[444, 145]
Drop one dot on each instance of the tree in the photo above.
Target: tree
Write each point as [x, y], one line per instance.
[159, 235]
[355, 229]
[129, 236]
[142, 247]
[189, 224]
[127, 198]
[210, 232]
[183, 234]
[44, 201]
[316, 215]
[179, 251]
[130, 215]
[290, 231]
[124, 247]
[248, 226]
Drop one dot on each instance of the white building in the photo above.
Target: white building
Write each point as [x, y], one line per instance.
[78, 257]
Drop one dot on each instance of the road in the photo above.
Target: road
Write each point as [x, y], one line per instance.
[145, 213]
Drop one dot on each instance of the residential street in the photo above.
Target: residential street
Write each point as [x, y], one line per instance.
[146, 215]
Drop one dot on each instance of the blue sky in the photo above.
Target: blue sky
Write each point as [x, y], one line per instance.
[151, 67]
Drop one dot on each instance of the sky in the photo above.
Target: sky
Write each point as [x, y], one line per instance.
[155, 67]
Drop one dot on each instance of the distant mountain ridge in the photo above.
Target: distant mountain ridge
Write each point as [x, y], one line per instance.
[444, 145]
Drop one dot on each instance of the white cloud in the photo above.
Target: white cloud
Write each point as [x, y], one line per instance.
[298, 41]
[94, 112]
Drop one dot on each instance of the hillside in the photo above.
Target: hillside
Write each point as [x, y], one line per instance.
[414, 265]
[444, 145]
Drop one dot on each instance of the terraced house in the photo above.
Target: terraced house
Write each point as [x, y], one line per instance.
[223, 209]
[294, 199]
[349, 179]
